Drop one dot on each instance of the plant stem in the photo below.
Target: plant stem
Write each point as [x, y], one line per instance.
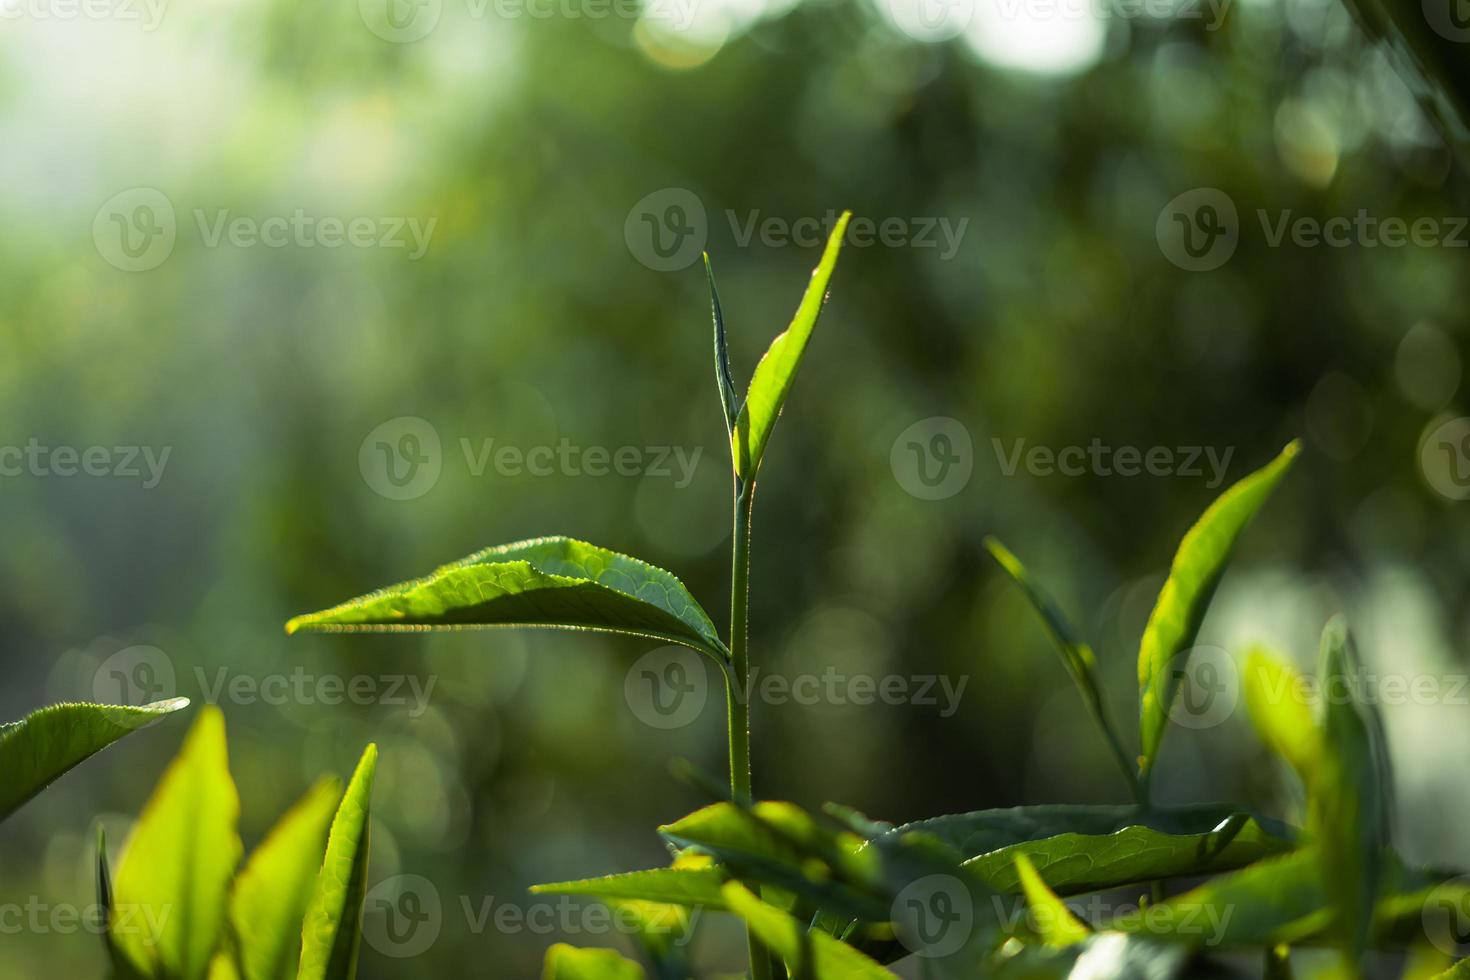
[739, 650]
[761, 962]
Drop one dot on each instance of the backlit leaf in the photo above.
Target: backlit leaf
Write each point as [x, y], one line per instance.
[273, 890]
[331, 930]
[548, 582]
[1180, 609]
[170, 891]
[771, 382]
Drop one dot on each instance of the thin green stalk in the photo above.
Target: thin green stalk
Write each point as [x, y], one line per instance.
[739, 652]
[763, 965]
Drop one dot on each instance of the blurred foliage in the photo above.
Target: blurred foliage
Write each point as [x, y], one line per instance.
[1058, 321]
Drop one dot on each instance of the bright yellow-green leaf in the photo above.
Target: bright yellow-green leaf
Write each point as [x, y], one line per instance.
[772, 379]
[1055, 923]
[553, 582]
[171, 887]
[1277, 698]
[223, 967]
[331, 931]
[272, 892]
[1077, 655]
[807, 953]
[1180, 609]
[45, 744]
[565, 962]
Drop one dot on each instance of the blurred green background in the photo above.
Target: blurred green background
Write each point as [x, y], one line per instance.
[547, 142]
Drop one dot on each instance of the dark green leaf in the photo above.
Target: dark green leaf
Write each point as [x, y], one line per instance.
[1086, 848]
[723, 379]
[548, 582]
[45, 744]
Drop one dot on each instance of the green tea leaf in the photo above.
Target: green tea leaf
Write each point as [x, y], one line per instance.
[723, 379]
[1055, 923]
[688, 887]
[1089, 848]
[1284, 901]
[273, 890]
[331, 931]
[1276, 696]
[773, 376]
[1180, 609]
[565, 962]
[1348, 797]
[547, 582]
[1078, 657]
[170, 892]
[45, 744]
[807, 953]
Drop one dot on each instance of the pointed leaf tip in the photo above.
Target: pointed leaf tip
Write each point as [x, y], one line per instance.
[771, 382]
[1198, 566]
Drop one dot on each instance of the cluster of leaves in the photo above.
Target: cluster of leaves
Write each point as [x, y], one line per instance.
[182, 906]
[837, 895]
